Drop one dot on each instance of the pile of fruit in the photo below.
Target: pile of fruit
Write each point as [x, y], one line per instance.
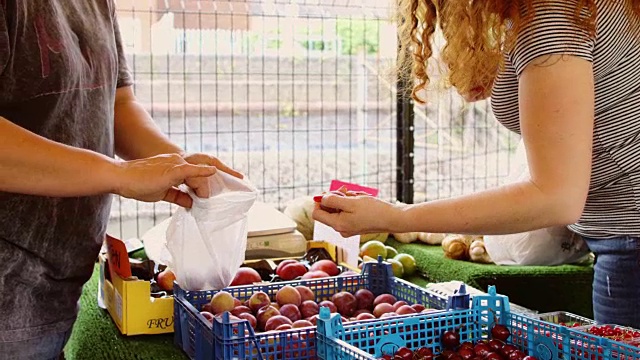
[295, 307]
[290, 269]
[402, 264]
[617, 333]
[452, 349]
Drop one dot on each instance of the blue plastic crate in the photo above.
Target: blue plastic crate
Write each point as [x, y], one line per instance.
[228, 339]
[544, 340]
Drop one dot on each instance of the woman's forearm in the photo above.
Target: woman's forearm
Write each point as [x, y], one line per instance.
[31, 164]
[506, 210]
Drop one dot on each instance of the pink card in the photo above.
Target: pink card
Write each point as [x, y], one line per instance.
[337, 184]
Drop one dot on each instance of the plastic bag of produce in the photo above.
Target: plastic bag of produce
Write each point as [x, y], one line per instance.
[549, 246]
[205, 245]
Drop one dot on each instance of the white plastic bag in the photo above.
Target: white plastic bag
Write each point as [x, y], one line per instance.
[205, 245]
[549, 246]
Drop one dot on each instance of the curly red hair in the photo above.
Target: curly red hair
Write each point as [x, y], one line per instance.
[476, 33]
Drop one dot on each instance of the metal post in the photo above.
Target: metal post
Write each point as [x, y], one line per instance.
[405, 142]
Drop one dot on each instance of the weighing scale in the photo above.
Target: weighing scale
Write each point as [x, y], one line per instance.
[272, 234]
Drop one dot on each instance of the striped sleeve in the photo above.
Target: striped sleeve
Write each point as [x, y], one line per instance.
[551, 30]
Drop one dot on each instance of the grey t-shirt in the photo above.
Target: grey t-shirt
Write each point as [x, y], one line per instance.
[60, 64]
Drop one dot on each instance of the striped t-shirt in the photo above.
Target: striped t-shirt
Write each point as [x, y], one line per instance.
[613, 202]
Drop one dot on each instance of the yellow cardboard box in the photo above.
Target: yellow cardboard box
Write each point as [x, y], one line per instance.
[128, 299]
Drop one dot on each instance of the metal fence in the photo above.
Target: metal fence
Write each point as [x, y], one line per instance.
[295, 94]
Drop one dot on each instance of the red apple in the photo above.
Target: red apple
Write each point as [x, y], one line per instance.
[327, 266]
[365, 299]
[240, 309]
[305, 293]
[246, 276]
[258, 300]
[250, 318]
[345, 302]
[381, 309]
[292, 271]
[207, 315]
[316, 274]
[165, 279]
[291, 311]
[222, 301]
[399, 303]
[365, 316]
[301, 324]
[326, 303]
[405, 310]
[266, 313]
[288, 295]
[418, 307]
[275, 321]
[309, 308]
[284, 263]
[384, 298]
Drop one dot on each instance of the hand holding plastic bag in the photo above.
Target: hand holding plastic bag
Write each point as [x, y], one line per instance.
[207, 243]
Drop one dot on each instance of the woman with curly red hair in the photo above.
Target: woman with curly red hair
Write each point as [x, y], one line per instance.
[565, 75]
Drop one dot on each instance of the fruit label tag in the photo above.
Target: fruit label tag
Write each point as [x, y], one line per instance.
[350, 245]
[337, 184]
[389, 344]
[118, 257]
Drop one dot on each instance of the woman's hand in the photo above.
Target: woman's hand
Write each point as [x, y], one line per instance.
[358, 215]
[156, 178]
[200, 185]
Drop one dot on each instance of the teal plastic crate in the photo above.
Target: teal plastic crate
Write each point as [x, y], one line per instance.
[229, 339]
[544, 340]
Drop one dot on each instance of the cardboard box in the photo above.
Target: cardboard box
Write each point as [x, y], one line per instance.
[128, 299]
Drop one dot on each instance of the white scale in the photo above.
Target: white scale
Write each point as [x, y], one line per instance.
[272, 234]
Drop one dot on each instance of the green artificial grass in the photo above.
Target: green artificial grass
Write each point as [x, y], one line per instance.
[541, 288]
[96, 337]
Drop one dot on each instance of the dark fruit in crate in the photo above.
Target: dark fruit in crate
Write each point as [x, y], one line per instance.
[386, 357]
[404, 353]
[495, 345]
[517, 355]
[493, 356]
[500, 332]
[423, 351]
[327, 266]
[508, 349]
[466, 353]
[388, 315]
[365, 299]
[481, 349]
[467, 344]
[529, 358]
[446, 354]
[345, 302]
[450, 339]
